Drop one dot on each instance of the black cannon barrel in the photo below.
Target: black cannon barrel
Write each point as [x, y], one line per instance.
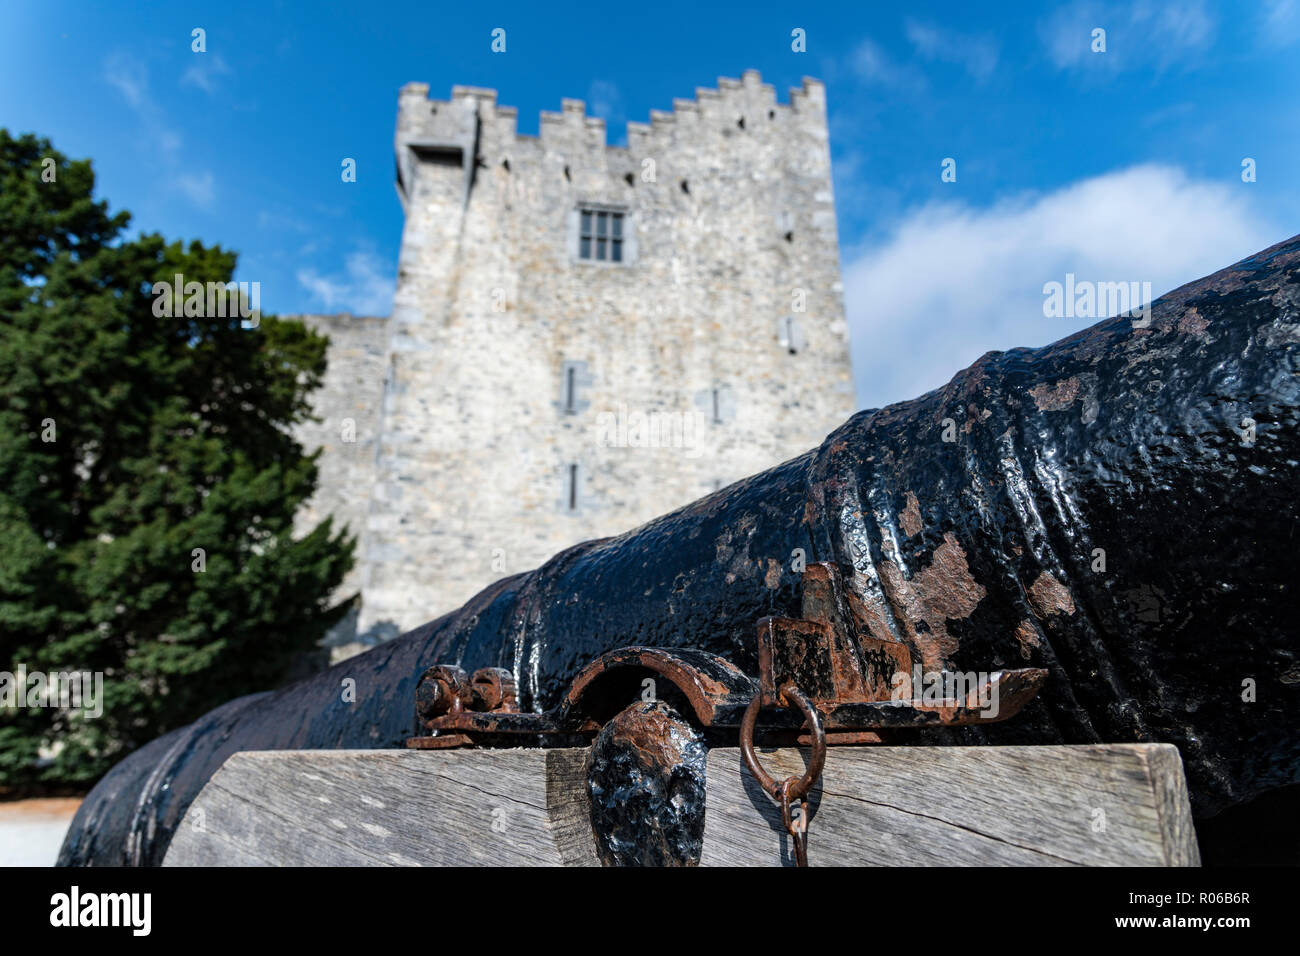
[1117, 507]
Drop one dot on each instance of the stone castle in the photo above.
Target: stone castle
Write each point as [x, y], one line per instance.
[583, 337]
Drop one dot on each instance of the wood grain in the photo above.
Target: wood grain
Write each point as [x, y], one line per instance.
[878, 806]
[388, 808]
[1105, 805]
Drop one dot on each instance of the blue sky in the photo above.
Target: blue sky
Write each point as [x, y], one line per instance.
[1115, 166]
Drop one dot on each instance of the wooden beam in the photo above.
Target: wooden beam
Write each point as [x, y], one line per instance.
[1105, 805]
[390, 808]
[1123, 804]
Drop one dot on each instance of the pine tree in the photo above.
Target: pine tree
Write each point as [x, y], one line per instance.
[148, 480]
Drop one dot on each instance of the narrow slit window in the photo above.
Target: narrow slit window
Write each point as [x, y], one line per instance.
[601, 235]
[569, 390]
[573, 488]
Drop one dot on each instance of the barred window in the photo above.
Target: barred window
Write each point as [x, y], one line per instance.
[600, 236]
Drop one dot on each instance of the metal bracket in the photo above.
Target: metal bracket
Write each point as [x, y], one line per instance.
[851, 679]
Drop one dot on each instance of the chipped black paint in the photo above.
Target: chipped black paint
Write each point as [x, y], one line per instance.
[1117, 438]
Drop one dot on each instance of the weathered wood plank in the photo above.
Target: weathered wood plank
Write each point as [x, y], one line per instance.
[566, 795]
[904, 806]
[1106, 805]
[386, 808]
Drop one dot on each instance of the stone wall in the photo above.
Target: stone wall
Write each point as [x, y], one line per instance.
[347, 405]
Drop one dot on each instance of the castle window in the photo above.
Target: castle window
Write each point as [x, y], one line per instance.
[601, 235]
[717, 405]
[574, 378]
[571, 491]
[790, 335]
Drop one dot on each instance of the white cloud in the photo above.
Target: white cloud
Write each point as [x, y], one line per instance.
[128, 76]
[1281, 22]
[204, 70]
[276, 220]
[200, 188]
[1141, 34]
[951, 282]
[873, 65]
[605, 100]
[1183, 27]
[365, 289]
[976, 54]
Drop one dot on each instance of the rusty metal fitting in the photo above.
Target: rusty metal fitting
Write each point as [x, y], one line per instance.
[812, 722]
[493, 690]
[442, 689]
[796, 827]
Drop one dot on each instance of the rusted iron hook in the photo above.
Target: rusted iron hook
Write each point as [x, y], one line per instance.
[792, 789]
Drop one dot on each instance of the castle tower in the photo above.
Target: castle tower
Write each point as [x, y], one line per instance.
[584, 337]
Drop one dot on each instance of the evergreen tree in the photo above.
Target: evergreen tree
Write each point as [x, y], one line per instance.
[148, 480]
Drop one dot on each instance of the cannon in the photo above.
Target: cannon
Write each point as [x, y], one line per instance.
[1102, 531]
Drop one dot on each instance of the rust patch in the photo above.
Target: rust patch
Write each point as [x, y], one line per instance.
[945, 591]
[1049, 596]
[1056, 397]
[1193, 323]
[1027, 637]
[975, 416]
[653, 731]
[869, 615]
[909, 519]
[773, 577]
[811, 508]
[947, 585]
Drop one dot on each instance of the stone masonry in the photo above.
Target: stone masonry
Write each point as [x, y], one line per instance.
[348, 405]
[522, 398]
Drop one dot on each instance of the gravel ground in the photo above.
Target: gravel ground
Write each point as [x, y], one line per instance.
[31, 831]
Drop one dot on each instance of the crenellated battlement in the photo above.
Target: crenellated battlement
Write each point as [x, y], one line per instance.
[747, 100]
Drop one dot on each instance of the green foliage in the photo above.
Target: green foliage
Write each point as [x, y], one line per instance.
[170, 434]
